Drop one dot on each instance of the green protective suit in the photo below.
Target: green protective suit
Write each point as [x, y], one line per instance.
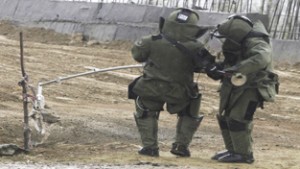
[249, 55]
[168, 79]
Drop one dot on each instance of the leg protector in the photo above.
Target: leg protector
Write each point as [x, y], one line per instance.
[225, 132]
[240, 133]
[186, 128]
[148, 127]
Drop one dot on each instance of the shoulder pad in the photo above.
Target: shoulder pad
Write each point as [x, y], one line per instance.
[254, 34]
[156, 37]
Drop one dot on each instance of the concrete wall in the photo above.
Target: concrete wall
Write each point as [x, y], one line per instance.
[286, 51]
[107, 22]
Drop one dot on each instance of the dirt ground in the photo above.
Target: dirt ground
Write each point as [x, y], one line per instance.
[97, 129]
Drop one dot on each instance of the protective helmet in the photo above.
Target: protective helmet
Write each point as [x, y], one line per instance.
[235, 28]
[184, 15]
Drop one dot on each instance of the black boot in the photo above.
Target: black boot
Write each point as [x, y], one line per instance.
[153, 152]
[180, 150]
[220, 154]
[237, 158]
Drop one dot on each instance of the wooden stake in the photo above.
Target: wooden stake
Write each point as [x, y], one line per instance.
[23, 83]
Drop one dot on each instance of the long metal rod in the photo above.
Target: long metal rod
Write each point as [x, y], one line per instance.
[95, 70]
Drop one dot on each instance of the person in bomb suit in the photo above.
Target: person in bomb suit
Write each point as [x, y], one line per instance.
[168, 78]
[247, 51]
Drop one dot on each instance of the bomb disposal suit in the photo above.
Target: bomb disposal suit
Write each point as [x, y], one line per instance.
[247, 50]
[168, 79]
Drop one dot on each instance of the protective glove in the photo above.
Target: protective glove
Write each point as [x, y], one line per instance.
[214, 71]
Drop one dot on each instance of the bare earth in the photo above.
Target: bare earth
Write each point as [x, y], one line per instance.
[97, 129]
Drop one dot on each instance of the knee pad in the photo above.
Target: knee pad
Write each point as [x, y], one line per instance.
[143, 112]
[222, 122]
[236, 126]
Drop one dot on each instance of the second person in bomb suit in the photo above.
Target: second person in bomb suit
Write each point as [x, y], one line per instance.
[168, 79]
[247, 51]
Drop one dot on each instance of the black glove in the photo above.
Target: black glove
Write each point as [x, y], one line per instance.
[214, 71]
[203, 59]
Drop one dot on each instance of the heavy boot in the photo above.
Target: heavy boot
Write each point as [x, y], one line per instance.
[153, 152]
[220, 154]
[180, 150]
[237, 158]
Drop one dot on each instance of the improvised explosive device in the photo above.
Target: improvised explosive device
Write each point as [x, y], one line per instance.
[38, 114]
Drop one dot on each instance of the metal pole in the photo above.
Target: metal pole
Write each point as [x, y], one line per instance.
[39, 102]
[95, 70]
